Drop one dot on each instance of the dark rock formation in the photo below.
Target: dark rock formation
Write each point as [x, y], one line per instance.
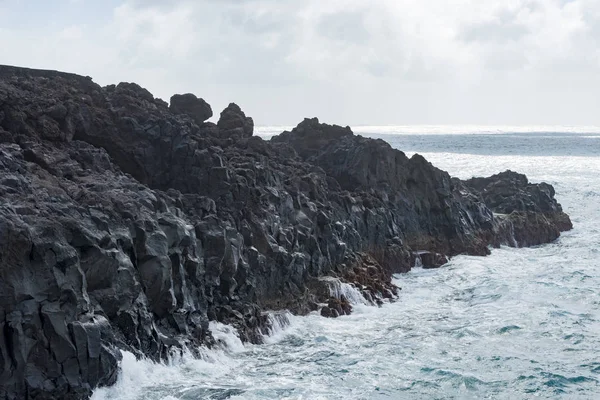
[530, 210]
[234, 123]
[129, 224]
[198, 109]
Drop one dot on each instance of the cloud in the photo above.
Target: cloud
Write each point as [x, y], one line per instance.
[348, 61]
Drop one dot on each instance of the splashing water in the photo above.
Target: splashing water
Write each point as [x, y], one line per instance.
[337, 289]
[278, 323]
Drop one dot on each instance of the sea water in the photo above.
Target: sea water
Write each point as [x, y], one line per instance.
[518, 324]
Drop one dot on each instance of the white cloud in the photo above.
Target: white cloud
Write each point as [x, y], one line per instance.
[350, 61]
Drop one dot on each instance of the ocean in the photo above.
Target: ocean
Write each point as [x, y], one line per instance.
[518, 324]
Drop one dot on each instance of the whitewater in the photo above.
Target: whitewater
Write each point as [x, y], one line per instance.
[518, 324]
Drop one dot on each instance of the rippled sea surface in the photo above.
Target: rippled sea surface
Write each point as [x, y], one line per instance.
[518, 324]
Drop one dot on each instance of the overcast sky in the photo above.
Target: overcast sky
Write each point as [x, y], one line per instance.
[357, 62]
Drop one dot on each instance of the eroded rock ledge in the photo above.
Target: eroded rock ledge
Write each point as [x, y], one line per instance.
[129, 224]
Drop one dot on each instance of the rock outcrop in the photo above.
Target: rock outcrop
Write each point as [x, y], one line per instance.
[530, 211]
[234, 123]
[129, 224]
[198, 109]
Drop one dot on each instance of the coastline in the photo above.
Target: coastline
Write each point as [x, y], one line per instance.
[131, 224]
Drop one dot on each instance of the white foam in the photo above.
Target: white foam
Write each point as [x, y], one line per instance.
[418, 262]
[227, 337]
[279, 326]
[137, 376]
[337, 289]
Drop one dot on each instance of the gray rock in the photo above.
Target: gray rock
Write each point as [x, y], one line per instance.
[188, 104]
[234, 123]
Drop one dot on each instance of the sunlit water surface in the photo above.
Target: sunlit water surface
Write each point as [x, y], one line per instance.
[521, 323]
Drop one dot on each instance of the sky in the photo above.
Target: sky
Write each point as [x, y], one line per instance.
[349, 62]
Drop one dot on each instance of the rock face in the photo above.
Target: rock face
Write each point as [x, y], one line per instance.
[129, 224]
[234, 123]
[198, 109]
[530, 210]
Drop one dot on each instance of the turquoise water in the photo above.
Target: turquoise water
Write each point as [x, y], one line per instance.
[518, 324]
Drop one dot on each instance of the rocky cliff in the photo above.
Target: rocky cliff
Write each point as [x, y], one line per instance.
[128, 223]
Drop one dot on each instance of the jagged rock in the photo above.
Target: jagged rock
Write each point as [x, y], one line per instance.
[432, 205]
[311, 137]
[234, 123]
[124, 226]
[188, 104]
[529, 211]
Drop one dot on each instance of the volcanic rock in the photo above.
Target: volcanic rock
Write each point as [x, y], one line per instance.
[188, 104]
[530, 211]
[126, 224]
[234, 123]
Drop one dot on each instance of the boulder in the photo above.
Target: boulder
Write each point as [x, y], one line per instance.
[234, 123]
[190, 105]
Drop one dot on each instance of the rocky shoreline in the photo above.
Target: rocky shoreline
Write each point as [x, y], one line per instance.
[127, 223]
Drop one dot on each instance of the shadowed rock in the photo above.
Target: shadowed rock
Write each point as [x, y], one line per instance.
[198, 109]
[530, 211]
[234, 123]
